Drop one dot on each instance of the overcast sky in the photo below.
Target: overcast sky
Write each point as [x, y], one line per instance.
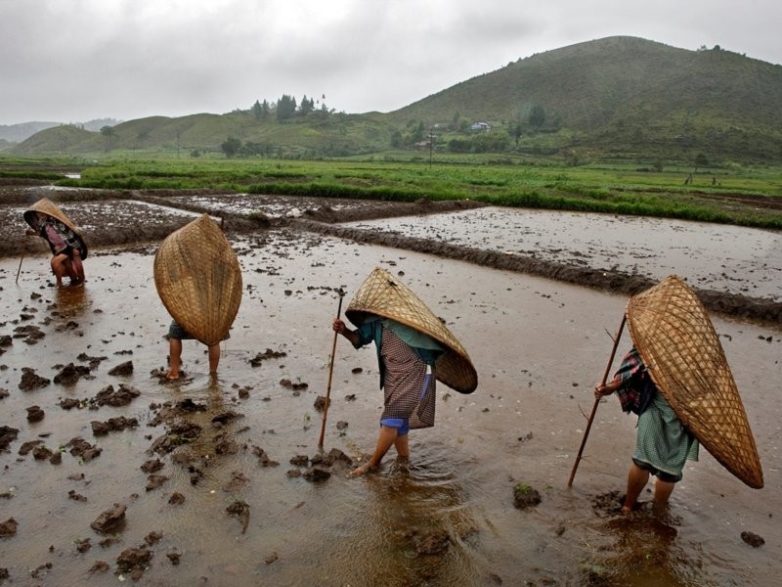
[76, 60]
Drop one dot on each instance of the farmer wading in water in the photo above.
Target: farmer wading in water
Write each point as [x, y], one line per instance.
[662, 443]
[414, 349]
[406, 359]
[677, 379]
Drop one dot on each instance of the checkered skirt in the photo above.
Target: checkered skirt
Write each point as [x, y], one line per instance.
[409, 390]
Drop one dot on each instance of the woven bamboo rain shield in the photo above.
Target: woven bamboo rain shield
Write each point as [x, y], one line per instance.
[678, 343]
[46, 206]
[198, 279]
[384, 295]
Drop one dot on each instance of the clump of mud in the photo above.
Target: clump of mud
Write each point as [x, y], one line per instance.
[8, 528]
[70, 374]
[258, 359]
[111, 521]
[108, 396]
[7, 436]
[112, 425]
[134, 561]
[525, 496]
[754, 540]
[31, 380]
[122, 370]
[241, 510]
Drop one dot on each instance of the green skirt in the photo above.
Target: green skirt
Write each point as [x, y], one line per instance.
[662, 441]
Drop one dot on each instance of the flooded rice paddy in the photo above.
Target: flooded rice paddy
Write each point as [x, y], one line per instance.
[219, 502]
[712, 256]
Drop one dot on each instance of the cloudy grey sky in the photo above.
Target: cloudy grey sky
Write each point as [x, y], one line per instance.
[75, 60]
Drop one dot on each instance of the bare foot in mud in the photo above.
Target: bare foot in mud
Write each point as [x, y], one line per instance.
[636, 507]
[402, 465]
[173, 375]
[362, 470]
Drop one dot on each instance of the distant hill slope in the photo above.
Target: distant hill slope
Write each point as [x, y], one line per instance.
[16, 133]
[338, 134]
[618, 96]
[629, 90]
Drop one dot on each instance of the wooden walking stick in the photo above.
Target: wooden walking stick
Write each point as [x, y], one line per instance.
[20, 267]
[331, 373]
[597, 401]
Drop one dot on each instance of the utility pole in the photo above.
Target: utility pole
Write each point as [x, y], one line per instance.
[431, 144]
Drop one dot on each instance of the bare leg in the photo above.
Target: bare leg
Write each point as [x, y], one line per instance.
[59, 267]
[662, 492]
[636, 481]
[402, 447]
[385, 439]
[174, 358]
[214, 359]
[78, 267]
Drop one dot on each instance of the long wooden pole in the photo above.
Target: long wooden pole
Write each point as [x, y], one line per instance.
[597, 401]
[331, 373]
[20, 267]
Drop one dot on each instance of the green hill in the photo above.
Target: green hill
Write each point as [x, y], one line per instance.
[626, 92]
[613, 97]
[335, 134]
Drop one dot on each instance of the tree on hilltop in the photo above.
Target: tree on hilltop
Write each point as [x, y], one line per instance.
[286, 107]
[306, 106]
[261, 110]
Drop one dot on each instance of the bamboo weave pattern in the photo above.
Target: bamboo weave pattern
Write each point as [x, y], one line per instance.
[384, 295]
[199, 280]
[677, 342]
[46, 206]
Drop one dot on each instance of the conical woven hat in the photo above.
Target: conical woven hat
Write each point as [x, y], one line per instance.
[46, 206]
[198, 279]
[681, 350]
[384, 295]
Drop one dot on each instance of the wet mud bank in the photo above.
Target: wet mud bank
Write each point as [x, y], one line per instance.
[101, 229]
[382, 210]
[109, 218]
[729, 304]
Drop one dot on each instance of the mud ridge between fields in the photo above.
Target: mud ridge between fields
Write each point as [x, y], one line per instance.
[113, 236]
[233, 222]
[737, 305]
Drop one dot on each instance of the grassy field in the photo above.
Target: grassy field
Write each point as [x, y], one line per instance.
[750, 196]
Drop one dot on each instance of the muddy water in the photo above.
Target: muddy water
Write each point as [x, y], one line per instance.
[271, 205]
[538, 345]
[711, 256]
